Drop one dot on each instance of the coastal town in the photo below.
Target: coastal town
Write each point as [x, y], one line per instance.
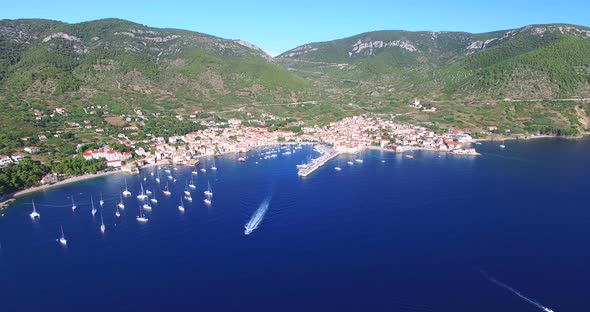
[349, 135]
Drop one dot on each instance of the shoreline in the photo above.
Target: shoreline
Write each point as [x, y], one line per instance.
[527, 137]
[64, 182]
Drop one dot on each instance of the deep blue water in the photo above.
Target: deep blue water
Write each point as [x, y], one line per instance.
[399, 235]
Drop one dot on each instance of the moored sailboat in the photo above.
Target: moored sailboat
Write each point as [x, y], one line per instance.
[103, 228]
[141, 218]
[208, 192]
[126, 191]
[181, 206]
[93, 211]
[120, 204]
[166, 190]
[142, 196]
[34, 214]
[62, 240]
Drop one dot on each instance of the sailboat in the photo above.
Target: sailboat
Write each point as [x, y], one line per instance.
[181, 206]
[350, 163]
[358, 160]
[154, 200]
[203, 170]
[73, 204]
[147, 206]
[141, 218]
[62, 240]
[141, 196]
[192, 184]
[126, 191]
[189, 199]
[186, 191]
[208, 192]
[120, 204]
[101, 202]
[117, 213]
[148, 192]
[158, 175]
[102, 226]
[93, 209]
[338, 167]
[34, 214]
[195, 172]
[166, 190]
[213, 167]
[207, 201]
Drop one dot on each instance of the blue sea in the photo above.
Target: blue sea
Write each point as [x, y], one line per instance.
[434, 233]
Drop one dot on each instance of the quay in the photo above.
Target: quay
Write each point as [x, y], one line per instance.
[327, 154]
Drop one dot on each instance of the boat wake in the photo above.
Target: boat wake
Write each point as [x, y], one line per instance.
[516, 292]
[257, 216]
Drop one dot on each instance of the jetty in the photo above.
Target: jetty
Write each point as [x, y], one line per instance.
[326, 155]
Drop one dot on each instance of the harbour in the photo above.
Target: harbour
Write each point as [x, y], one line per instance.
[372, 214]
[327, 154]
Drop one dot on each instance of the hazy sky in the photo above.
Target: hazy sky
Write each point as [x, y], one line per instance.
[276, 26]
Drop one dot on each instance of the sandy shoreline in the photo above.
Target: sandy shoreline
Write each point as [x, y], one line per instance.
[63, 182]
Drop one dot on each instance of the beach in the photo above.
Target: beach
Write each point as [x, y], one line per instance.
[63, 182]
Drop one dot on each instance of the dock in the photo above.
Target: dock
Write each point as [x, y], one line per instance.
[327, 154]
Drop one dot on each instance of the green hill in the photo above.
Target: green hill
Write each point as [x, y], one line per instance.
[122, 60]
[103, 72]
[548, 61]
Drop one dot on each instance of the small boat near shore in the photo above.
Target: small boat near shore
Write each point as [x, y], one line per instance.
[166, 190]
[141, 218]
[208, 192]
[62, 240]
[93, 211]
[181, 206]
[34, 214]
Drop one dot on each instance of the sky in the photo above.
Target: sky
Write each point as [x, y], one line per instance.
[277, 26]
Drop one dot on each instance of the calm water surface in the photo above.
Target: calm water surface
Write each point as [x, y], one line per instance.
[390, 234]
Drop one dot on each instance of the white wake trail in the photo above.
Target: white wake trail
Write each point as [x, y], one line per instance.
[516, 292]
[257, 216]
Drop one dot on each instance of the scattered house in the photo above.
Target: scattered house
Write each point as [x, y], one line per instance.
[416, 104]
[234, 122]
[114, 163]
[32, 149]
[86, 122]
[60, 110]
[42, 137]
[27, 138]
[88, 127]
[5, 160]
[106, 153]
[99, 130]
[492, 128]
[49, 178]
[130, 128]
